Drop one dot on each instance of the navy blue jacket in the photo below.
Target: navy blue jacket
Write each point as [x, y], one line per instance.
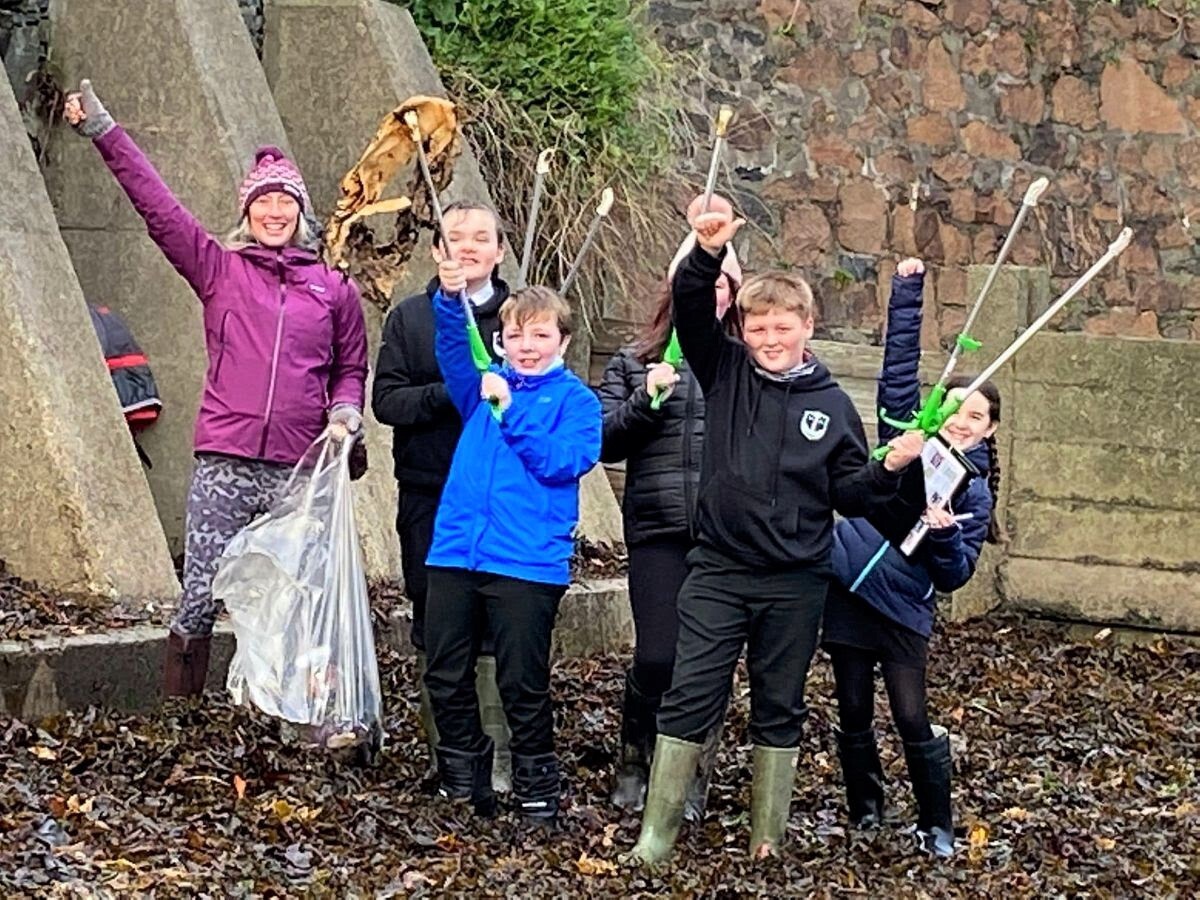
[865, 555]
[511, 501]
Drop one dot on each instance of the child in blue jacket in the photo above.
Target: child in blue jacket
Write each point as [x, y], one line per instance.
[503, 539]
[881, 605]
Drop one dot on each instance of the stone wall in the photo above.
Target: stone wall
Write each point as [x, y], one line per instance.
[870, 129]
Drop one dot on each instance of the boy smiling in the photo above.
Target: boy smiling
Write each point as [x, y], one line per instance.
[503, 539]
[783, 448]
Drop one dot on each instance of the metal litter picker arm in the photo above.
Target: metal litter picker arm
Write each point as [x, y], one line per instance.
[479, 354]
[937, 409]
[673, 354]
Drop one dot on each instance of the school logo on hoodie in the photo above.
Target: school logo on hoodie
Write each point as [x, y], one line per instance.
[813, 424]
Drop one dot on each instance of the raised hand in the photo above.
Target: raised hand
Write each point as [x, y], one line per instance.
[716, 203]
[909, 267]
[494, 389]
[716, 229]
[86, 114]
[452, 277]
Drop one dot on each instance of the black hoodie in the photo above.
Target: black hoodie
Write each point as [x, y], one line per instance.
[410, 395]
[779, 456]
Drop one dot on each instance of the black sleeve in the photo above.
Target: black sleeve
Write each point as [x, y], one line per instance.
[395, 399]
[628, 419]
[857, 483]
[705, 345]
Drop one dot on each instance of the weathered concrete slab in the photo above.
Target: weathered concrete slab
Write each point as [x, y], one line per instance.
[594, 617]
[336, 67]
[1083, 532]
[77, 512]
[185, 81]
[1004, 314]
[1111, 473]
[1105, 593]
[1086, 389]
[120, 669]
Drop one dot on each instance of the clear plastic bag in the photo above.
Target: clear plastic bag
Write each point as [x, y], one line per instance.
[294, 586]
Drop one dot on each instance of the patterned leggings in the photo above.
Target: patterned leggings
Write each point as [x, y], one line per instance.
[225, 496]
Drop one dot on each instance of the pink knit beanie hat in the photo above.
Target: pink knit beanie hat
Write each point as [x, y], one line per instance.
[273, 171]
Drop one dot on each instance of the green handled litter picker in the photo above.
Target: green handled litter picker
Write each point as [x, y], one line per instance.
[936, 409]
[939, 408]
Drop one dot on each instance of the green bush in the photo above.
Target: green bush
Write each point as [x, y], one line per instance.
[578, 67]
[585, 78]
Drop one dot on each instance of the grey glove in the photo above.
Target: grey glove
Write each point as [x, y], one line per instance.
[96, 121]
[346, 415]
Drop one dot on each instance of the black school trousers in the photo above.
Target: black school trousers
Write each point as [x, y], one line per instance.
[462, 606]
[723, 607]
[657, 570]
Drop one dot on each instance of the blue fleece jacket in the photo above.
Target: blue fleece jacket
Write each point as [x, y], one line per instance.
[868, 563]
[511, 501]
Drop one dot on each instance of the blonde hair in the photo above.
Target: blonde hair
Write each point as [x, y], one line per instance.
[776, 290]
[306, 235]
[533, 303]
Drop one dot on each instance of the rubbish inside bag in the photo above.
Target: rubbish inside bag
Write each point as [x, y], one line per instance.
[294, 586]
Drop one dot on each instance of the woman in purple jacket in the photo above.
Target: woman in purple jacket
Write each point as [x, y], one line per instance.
[287, 355]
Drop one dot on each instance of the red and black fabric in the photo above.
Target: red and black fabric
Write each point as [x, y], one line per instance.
[129, 367]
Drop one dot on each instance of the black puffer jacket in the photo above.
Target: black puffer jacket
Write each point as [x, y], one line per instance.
[661, 448]
[410, 394]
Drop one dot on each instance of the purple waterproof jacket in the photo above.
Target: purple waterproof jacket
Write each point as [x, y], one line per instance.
[285, 334]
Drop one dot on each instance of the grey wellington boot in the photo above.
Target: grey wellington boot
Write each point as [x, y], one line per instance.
[771, 797]
[672, 770]
[495, 725]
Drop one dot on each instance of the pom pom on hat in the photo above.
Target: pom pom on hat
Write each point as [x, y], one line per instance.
[273, 171]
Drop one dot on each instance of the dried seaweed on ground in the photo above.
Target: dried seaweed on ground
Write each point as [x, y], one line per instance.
[1075, 761]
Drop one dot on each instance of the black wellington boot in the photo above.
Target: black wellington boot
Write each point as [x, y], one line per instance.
[468, 776]
[863, 774]
[929, 767]
[638, 731]
[535, 788]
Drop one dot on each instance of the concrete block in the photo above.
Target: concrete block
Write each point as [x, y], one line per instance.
[1107, 473]
[119, 669]
[594, 617]
[1105, 593]
[1099, 390]
[77, 510]
[336, 68]
[1086, 532]
[187, 84]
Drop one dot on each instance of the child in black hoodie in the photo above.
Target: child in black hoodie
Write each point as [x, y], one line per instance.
[783, 449]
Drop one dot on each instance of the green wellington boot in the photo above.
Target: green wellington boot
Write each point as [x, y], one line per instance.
[672, 771]
[495, 725]
[771, 797]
